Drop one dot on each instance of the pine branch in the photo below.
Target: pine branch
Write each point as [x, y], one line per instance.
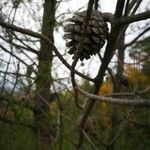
[133, 102]
[38, 35]
[133, 18]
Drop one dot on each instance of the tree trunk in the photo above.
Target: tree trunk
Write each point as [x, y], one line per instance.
[119, 77]
[120, 67]
[44, 80]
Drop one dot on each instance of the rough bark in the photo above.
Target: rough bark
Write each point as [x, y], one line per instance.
[119, 77]
[44, 80]
[110, 49]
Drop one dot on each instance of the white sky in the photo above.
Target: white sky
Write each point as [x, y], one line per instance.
[90, 66]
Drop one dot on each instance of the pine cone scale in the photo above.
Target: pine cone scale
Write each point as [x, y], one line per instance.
[96, 34]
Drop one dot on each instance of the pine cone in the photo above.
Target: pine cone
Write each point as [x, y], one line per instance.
[96, 34]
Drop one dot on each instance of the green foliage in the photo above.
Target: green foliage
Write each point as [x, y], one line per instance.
[14, 137]
[135, 135]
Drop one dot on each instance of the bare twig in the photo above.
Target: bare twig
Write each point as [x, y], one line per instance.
[79, 49]
[119, 8]
[14, 73]
[137, 4]
[135, 39]
[89, 140]
[19, 46]
[16, 78]
[130, 94]
[38, 35]
[12, 54]
[133, 18]
[4, 78]
[96, 5]
[134, 102]
[110, 49]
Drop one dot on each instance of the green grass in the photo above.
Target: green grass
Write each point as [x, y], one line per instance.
[13, 137]
[17, 137]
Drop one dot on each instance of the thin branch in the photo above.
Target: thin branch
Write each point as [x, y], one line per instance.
[90, 141]
[4, 78]
[79, 49]
[29, 48]
[19, 46]
[11, 53]
[14, 73]
[109, 52]
[119, 8]
[133, 18]
[126, 8]
[135, 39]
[134, 102]
[132, 3]
[136, 7]
[96, 5]
[38, 35]
[16, 78]
[137, 93]
[10, 82]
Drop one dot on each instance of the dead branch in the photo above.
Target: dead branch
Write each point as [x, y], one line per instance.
[38, 35]
[11, 53]
[134, 102]
[135, 39]
[133, 18]
[130, 94]
[79, 49]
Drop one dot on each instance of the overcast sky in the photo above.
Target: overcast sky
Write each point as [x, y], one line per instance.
[25, 19]
[105, 6]
[91, 65]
